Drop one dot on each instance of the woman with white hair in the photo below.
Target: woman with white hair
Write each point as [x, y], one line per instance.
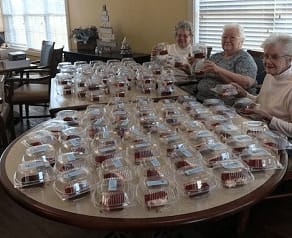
[182, 48]
[233, 64]
[275, 96]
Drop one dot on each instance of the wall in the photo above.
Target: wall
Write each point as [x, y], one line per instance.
[143, 22]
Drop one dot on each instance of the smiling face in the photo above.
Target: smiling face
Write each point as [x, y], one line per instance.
[231, 41]
[276, 60]
[183, 38]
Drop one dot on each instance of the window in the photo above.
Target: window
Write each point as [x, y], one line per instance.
[259, 19]
[27, 23]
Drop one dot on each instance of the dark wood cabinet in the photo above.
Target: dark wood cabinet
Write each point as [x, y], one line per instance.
[75, 55]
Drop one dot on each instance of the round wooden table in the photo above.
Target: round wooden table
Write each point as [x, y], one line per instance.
[217, 203]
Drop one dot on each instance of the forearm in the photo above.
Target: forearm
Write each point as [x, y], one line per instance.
[282, 126]
[228, 76]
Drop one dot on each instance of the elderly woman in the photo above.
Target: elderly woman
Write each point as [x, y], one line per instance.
[275, 96]
[182, 48]
[232, 65]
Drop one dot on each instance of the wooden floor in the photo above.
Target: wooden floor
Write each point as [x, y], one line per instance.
[268, 219]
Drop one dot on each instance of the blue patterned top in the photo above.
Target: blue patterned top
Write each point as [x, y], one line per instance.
[241, 63]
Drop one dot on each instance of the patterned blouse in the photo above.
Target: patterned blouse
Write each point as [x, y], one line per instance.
[241, 63]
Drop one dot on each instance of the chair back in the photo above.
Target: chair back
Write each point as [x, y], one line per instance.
[258, 58]
[56, 59]
[47, 51]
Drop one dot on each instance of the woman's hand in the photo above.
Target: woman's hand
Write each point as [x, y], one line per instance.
[210, 67]
[184, 67]
[260, 114]
[241, 91]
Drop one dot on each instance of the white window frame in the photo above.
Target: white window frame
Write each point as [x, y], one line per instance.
[21, 38]
[258, 17]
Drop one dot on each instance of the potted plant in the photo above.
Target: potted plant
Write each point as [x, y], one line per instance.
[85, 37]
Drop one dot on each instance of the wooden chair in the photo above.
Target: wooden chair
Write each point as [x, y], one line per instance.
[6, 122]
[34, 91]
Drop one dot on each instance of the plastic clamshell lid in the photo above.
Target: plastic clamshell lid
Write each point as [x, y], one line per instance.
[156, 197]
[225, 90]
[33, 173]
[233, 173]
[71, 160]
[44, 151]
[74, 183]
[194, 181]
[240, 142]
[114, 194]
[259, 159]
[214, 152]
[38, 138]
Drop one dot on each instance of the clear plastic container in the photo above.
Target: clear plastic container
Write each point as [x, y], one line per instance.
[238, 143]
[114, 195]
[33, 173]
[259, 159]
[116, 168]
[73, 184]
[79, 145]
[141, 151]
[214, 152]
[273, 140]
[225, 90]
[190, 126]
[211, 102]
[233, 173]
[156, 198]
[39, 138]
[216, 120]
[201, 137]
[43, 152]
[71, 160]
[226, 131]
[194, 181]
[242, 106]
[72, 133]
[253, 128]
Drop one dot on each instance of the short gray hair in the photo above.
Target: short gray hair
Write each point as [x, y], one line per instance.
[236, 26]
[184, 25]
[279, 38]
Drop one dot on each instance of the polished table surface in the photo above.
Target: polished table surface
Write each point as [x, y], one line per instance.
[217, 203]
[59, 102]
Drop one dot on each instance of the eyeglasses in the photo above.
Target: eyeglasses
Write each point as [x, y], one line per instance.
[274, 57]
[183, 35]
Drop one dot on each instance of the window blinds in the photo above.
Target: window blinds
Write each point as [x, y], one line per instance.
[259, 19]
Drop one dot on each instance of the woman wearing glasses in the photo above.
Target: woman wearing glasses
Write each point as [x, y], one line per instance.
[275, 96]
[181, 50]
[232, 65]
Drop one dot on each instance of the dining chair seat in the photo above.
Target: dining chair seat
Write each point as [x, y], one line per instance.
[31, 93]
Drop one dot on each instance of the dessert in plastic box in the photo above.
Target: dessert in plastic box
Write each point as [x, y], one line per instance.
[114, 194]
[189, 126]
[149, 123]
[116, 168]
[72, 133]
[71, 160]
[186, 98]
[214, 152]
[155, 179]
[273, 140]
[69, 116]
[212, 102]
[238, 143]
[184, 151]
[190, 105]
[156, 197]
[33, 173]
[73, 184]
[200, 114]
[55, 127]
[242, 106]
[44, 152]
[225, 90]
[225, 111]
[226, 131]
[259, 159]
[201, 137]
[194, 181]
[215, 120]
[253, 128]
[140, 151]
[233, 173]
[39, 138]
[79, 145]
